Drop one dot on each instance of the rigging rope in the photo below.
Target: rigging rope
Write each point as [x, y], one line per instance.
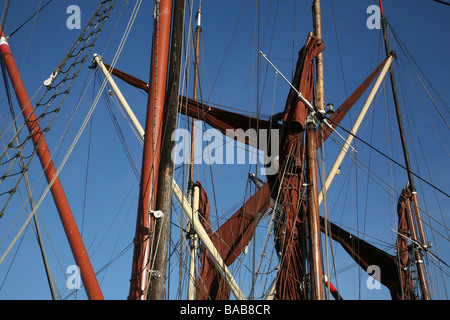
[389, 158]
[395, 197]
[83, 44]
[119, 130]
[408, 56]
[97, 21]
[37, 12]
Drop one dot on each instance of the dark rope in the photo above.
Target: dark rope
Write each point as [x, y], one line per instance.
[29, 18]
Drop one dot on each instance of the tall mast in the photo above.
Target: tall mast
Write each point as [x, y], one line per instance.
[193, 235]
[412, 187]
[165, 183]
[70, 227]
[312, 177]
[151, 154]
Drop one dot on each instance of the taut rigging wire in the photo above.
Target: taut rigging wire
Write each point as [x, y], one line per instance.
[389, 158]
[39, 10]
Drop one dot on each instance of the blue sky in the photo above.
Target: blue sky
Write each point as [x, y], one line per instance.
[228, 77]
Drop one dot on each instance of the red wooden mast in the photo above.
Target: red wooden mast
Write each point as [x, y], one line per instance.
[152, 148]
[76, 243]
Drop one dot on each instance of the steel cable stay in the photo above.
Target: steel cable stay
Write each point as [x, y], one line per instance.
[113, 257]
[326, 210]
[360, 164]
[116, 206]
[411, 116]
[326, 215]
[394, 192]
[119, 130]
[26, 21]
[409, 57]
[115, 101]
[123, 40]
[105, 267]
[392, 160]
[422, 107]
[126, 149]
[96, 26]
[353, 173]
[120, 210]
[401, 66]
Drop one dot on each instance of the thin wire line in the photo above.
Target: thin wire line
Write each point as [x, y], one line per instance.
[389, 158]
[39, 10]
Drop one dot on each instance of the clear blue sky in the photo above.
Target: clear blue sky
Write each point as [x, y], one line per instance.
[228, 77]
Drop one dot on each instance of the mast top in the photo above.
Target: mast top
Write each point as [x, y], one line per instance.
[198, 16]
[381, 7]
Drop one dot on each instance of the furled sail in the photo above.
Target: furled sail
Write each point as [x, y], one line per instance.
[230, 240]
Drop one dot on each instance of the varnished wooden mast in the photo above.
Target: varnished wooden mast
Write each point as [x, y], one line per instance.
[312, 177]
[164, 198]
[412, 187]
[198, 31]
[320, 87]
[193, 235]
[313, 214]
[144, 235]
